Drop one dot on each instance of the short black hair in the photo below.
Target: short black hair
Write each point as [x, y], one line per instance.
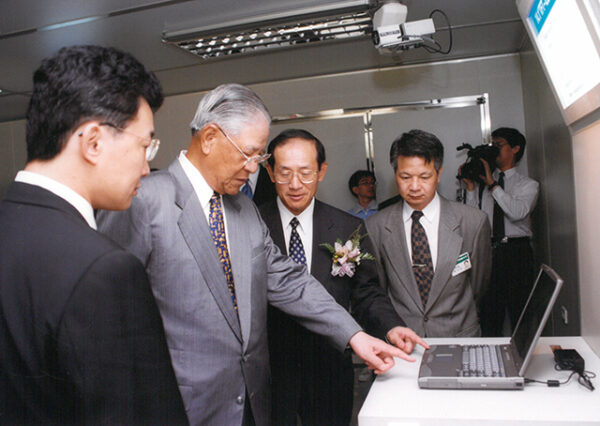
[513, 137]
[288, 134]
[81, 83]
[418, 143]
[357, 176]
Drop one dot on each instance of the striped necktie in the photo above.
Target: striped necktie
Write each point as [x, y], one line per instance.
[247, 189]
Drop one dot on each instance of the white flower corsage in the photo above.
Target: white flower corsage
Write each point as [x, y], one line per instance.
[347, 256]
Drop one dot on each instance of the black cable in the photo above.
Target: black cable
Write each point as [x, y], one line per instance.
[584, 378]
[551, 383]
[449, 32]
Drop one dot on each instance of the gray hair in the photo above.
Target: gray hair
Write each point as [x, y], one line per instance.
[230, 106]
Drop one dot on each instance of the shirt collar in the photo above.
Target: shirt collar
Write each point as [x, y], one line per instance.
[82, 205]
[430, 212]
[304, 218]
[508, 173]
[203, 191]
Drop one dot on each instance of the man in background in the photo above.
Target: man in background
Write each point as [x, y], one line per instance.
[310, 378]
[433, 255]
[362, 185]
[508, 200]
[81, 338]
[259, 187]
[214, 268]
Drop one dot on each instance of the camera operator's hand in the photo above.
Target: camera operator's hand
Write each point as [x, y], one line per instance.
[487, 179]
[470, 184]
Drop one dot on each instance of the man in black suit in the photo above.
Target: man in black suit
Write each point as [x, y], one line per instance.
[310, 379]
[81, 338]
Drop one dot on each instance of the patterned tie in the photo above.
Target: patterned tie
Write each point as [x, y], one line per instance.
[498, 220]
[296, 249]
[247, 189]
[217, 230]
[421, 257]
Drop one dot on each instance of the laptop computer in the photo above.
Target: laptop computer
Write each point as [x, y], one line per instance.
[494, 366]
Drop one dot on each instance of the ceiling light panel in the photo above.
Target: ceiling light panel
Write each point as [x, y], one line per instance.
[269, 33]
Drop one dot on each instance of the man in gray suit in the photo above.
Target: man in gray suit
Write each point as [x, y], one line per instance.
[433, 255]
[214, 269]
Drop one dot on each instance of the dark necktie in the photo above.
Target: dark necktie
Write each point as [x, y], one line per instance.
[421, 257]
[217, 230]
[498, 221]
[247, 189]
[296, 249]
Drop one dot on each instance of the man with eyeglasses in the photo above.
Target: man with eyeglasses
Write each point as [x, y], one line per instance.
[362, 185]
[508, 199]
[214, 268]
[310, 378]
[81, 337]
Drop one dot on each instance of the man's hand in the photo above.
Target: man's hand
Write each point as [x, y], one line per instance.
[405, 339]
[378, 355]
[488, 178]
[470, 184]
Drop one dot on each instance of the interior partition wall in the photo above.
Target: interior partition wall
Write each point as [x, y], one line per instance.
[360, 138]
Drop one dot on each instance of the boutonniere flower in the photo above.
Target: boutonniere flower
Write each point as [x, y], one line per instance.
[347, 256]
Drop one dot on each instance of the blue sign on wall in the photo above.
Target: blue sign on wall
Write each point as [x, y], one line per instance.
[539, 12]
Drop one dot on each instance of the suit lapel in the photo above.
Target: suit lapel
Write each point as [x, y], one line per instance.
[394, 245]
[323, 228]
[449, 244]
[195, 231]
[238, 243]
[273, 222]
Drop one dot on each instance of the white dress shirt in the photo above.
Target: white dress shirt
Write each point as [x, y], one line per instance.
[304, 229]
[63, 191]
[203, 191]
[430, 222]
[517, 200]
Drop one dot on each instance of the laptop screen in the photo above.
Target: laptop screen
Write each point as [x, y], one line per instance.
[536, 312]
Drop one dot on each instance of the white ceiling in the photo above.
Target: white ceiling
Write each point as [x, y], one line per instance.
[480, 28]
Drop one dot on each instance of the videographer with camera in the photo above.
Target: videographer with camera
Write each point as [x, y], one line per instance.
[508, 198]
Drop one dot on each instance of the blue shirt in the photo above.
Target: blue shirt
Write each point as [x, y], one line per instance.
[364, 212]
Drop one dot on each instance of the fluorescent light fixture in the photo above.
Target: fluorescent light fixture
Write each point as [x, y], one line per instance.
[335, 21]
[71, 23]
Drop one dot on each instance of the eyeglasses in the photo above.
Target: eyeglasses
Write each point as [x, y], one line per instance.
[258, 159]
[151, 149]
[286, 176]
[499, 145]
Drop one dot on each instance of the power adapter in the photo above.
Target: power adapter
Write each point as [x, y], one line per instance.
[569, 359]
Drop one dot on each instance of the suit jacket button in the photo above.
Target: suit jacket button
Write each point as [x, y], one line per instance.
[425, 319]
[239, 400]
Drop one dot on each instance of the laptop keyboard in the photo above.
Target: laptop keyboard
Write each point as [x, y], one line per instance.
[482, 361]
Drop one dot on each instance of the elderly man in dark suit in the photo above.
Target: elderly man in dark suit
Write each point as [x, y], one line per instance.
[214, 268]
[310, 379]
[81, 338]
[433, 255]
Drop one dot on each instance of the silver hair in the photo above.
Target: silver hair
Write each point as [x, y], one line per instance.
[230, 106]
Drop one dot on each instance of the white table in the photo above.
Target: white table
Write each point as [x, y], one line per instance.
[396, 400]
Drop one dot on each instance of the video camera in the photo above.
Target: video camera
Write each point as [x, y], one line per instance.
[473, 167]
